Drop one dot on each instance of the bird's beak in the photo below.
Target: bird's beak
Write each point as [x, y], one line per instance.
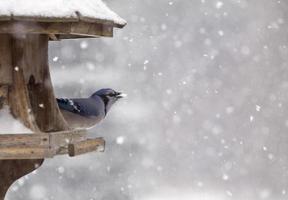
[120, 95]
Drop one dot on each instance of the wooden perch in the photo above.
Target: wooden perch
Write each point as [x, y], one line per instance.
[47, 145]
[86, 146]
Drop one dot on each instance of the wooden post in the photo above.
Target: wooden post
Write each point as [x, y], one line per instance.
[24, 72]
[15, 169]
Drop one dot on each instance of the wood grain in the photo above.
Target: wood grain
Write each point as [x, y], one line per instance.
[24, 140]
[12, 170]
[75, 29]
[27, 56]
[38, 145]
[59, 141]
[22, 153]
[40, 89]
[25, 86]
[5, 60]
[86, 146]
[3, 95]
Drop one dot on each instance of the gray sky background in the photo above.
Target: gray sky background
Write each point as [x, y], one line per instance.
[206, 113]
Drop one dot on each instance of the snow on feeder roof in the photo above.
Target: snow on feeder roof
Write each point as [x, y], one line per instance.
[63, 18]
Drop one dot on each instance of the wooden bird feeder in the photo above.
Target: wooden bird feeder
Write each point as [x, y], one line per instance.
[26, 26]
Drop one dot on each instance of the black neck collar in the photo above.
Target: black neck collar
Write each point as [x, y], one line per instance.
[105, 100]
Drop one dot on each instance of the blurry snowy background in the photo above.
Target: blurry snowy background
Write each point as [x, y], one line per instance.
[206, 113]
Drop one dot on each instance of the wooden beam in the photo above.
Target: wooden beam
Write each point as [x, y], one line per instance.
[52, 140]
[65, 36]
[59, 141]
[23, 153]
[41, 152]
[47, 145]
[80, 29]
[24, 140]
[86, 146]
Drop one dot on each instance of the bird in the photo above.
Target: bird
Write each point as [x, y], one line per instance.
[87, 112]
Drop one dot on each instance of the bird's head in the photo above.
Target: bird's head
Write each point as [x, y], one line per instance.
[109, 96]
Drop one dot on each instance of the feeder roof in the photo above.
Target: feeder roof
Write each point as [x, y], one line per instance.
[59, 13]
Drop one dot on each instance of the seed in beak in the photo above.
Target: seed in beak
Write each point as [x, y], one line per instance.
[121, 95]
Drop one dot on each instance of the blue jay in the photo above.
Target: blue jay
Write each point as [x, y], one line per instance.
[87, 112]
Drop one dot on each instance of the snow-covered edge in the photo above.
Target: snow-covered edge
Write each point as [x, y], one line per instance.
[94, 9]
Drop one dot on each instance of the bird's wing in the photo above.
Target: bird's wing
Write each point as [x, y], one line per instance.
[68, 105]
[85, 106]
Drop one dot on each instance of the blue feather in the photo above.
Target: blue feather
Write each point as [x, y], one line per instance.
[69, 105]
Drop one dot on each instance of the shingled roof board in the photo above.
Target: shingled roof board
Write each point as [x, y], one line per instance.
[59, 11]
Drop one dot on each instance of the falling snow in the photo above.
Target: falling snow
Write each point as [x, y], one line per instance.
[55, 59]
[206, 116]
[120, 140]
[219, 4]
